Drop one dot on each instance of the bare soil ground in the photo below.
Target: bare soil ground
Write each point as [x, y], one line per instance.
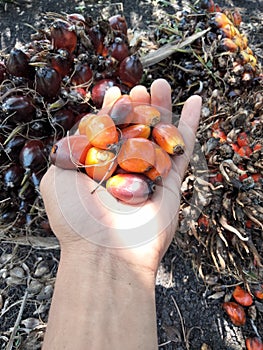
[189, 310]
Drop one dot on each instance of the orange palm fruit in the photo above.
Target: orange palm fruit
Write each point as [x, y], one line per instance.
[100, 164]
[254, 344]
[235, 312]
[244, 57]
[230, 31]
[241, 41]
[136, 155]
[130, 188]
[169, 138]
[227, 44]
[99, 129]
[242, 297]
[162, 165]
[69, 152]
[220, 20]
[82, 124]
[121, 111]
[136, 130]
[146, 114]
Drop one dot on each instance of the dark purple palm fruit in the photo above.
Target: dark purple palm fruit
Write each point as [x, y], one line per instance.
[62, 121]
[19, 109]
[63, 36]
[32, 156]
[48, 82]
[17, 64]
[130, 70]
[3, 72]
[13, 147]
[62, 62]
[83, 74]
[13, 176]
[119, 49]
[118, 23]
[99, 90]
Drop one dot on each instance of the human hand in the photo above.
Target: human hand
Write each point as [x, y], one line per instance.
[97, 223]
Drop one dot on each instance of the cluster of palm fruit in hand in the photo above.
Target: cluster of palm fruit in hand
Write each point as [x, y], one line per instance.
[46, 86]
[128, 149]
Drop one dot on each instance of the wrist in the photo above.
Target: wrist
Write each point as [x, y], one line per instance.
[95, 261]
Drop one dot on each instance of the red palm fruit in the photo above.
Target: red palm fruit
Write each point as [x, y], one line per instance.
[83, 74]
[136, 155]
[3, 72]
[216, 179]
[130, 188]
[13, 176]
[118, 23]
[69, 152]
[121, 111]
[99, 89]
[17, 64]
[242, 139]
[62, 120]
[235, 312]
[146, 114]
[203, 223]
[131, 70]
[258, 292]
[219, 134]
[119, 49]
[162, 165]
[136, 130]
[237, 18]
[63, 36]
[20, 109]
[62, 62]
[245, 151]
[254, 344]
[100, 130]
[227, 44]
[100, 163]
[48, 82]
[32, 155]
[235, 147]
[169, 138]
[242, 297]
[97, 38]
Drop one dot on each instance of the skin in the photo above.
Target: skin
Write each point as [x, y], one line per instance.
[104, 292]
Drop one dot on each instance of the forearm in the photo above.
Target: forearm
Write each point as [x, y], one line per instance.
[101, 305]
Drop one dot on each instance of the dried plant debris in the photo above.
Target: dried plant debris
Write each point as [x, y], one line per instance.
[221, 67]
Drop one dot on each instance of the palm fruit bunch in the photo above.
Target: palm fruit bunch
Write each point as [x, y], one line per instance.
[221, 217]
[128, 149]
[220, 56]
[47, 85]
